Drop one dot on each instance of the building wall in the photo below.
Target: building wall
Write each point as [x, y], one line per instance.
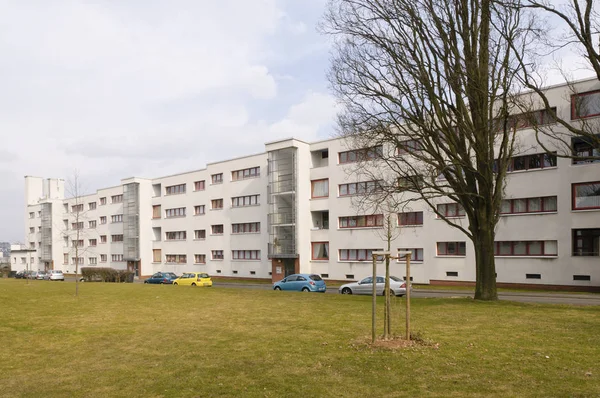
[313, 165]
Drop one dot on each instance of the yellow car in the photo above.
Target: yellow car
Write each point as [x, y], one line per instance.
[194, 279]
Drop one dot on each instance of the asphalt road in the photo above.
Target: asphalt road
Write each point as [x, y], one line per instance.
[524, 297]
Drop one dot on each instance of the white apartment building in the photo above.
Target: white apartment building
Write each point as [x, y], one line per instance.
[291, 209]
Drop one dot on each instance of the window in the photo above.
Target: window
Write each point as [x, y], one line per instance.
[77, 243]
[586, 195]
[217, 254]
[410, 218]
[530, 162]
[216, 178]
[40, 213]
[243, 201]
[245, 228]
[32, 215]
[175, 189]
[529, 205]
[525, 120]
[116, 199]
[103, 258]
[77, 260]
[586, 242]
[320, 250]
[156, 255]
[582, 278]
[199, 210]
[102, 238]
[65, 258]
[92, 224]
[216, 229]
[416, 255]
[451, 248]
[32, 245]
[77, 208]
[66, 223]
[92, 242]
[585, 105]
[92, 206]
[66, 207]
[450, 210]
[176, 258]
[451, 273]
[586, 150]
[358, 255]
[245, 254]
[409, 146]
[176, 235]
[92, 260]
[199, 185]
[116, 238]
[216, 204]
[102, 219]
[410, 184]
[533, 276]
[199, 258]
[31, 230]
[77, 225]
[526, 248]
[102, 201]
[360, 154]
[319, 188]
[359, 188]
[177, 212]
[116, 218]
[117, 257]
[374, 220]
[252, 172]
[200, 234]
[156, 211]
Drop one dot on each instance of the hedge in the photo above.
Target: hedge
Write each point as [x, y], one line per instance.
[104, 274]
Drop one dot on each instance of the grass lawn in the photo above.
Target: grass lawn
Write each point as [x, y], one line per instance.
[164, 341]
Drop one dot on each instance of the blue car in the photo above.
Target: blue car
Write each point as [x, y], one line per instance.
[301, 283]
[162, 278]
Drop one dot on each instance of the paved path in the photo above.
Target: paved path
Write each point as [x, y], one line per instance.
[421, 292]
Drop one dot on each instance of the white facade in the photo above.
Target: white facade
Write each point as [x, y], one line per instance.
[256, 225]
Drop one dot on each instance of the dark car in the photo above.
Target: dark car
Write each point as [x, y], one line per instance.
[20, 275]
[162, 278]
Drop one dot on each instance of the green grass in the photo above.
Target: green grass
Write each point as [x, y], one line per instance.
[129, 340]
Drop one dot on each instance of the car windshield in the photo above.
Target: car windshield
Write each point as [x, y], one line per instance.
[395, 278]
[171, 275]
[316, 278]
[203, 276]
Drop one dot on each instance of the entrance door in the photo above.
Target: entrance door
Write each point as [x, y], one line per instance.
[133, 266]
[289, 266]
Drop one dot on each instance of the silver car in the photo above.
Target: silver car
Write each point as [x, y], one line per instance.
[55, 275]
[365, 286]
[40, 275]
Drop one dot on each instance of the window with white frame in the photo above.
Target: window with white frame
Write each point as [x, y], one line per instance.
[176, 212]
[102, 238]
[92, 260]
[216, 229]
[32, 215]
[116, 218]
[251, 172]
[320, 250]
[102, 201]
[77, 225]
[92, 224]
[199, 258]
[216, 204]
[319, 188]
[451, 248]
[156, 255]
[103, 258]
[117, 257]
[175, 189]
[199, 210]
[156, 209]
[92, 206]
[116, 199]
[176, 235]
[416, 254]
[199, 185]
[526, 248]
[358, 254]
[116, 238]
[77, 208]
[176, 258]
[200, 234]
[65, 258]
[92, 242]
[77, 260]
[77, 243]
[245, 254]
[243, 201]
[217, 254]
[102, 219]
[216, 178]
[245, 228]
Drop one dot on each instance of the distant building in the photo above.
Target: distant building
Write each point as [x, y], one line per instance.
[23, 258]
[289, 210]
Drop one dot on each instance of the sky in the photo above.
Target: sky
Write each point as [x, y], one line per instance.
[148, 88]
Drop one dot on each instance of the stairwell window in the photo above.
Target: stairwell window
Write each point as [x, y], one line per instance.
[320, 188]
[320, 250]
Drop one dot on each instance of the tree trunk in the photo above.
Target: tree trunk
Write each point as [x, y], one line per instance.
[485, 267]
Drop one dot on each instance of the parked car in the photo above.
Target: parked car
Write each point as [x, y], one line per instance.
[55, 275]
[365, 286]
[194, 279]
[301, 283]
[20, 275]
[162, 278]
[40, 275]
[29, 274]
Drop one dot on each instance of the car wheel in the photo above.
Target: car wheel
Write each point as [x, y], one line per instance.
[146, 282]
[175, 283]
[401, 295]
[305, 289]
[276, 288]
[346, 290]
[193, 284]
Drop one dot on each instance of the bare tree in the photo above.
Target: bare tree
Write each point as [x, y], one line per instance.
[427, 87]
